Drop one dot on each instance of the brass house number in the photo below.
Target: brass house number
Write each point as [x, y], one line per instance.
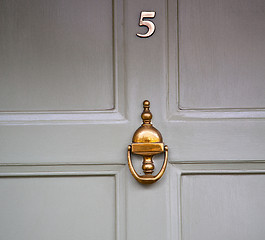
[147, 23]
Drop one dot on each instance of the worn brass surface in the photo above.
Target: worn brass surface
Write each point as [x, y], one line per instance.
[149, 149]
[147, 142]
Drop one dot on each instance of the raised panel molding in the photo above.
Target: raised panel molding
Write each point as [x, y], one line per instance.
[103, 115]
[63, 117]
[175, 110]
[54, 171]
[177, 171]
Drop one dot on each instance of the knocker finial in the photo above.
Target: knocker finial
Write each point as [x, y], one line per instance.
[146, 115]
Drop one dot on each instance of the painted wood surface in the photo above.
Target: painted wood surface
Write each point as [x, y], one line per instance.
[56, 55]
[217, 201]
[223, 206]
[79, 140]
[221, 54]
[69, 202]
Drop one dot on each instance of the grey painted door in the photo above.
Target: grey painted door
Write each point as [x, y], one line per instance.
[73, 75]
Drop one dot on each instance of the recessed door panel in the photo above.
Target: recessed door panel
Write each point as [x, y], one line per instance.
[56, 55]
[57, 207]
[223, 206]
[221, 54]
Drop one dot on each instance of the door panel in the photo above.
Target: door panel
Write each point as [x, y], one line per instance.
[221, 48]
[47, 50]
[45, 202]
[217, 201]
[62, 82]
[223, 206]
[212, 68]
[69, 202]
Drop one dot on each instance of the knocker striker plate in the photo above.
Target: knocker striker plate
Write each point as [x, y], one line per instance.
[147, 142]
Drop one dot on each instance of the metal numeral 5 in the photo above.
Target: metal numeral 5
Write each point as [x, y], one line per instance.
[149, 24]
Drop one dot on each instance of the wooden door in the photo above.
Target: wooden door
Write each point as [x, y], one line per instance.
[73, 75]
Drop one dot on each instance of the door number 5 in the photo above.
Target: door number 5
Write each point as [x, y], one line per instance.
[149, 24]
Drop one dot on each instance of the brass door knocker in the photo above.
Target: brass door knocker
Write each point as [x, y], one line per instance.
[147, 142]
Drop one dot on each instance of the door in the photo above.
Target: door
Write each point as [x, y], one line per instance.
[73, 76]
